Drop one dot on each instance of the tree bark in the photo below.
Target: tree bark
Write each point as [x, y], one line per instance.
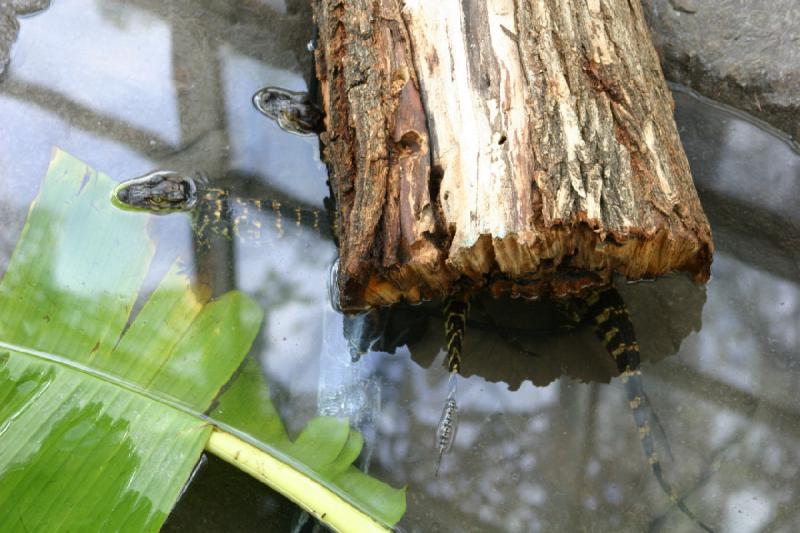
[525, 147]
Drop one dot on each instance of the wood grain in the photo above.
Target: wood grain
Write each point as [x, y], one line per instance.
[521, 147]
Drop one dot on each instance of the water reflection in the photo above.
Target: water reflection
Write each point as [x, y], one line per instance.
[144, 98]
[517, 341]
[543, 443]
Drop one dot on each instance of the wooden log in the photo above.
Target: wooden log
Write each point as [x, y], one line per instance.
[525, 147]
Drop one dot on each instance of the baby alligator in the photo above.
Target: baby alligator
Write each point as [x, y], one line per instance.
[293, 111]
[606, 311]
[164, 192]
[160, 192]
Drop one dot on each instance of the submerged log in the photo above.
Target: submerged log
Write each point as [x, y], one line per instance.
[521, 147]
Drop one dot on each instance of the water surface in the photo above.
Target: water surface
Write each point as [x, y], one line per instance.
[546, 440]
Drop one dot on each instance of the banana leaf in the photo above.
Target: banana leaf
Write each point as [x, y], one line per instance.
[102, 399]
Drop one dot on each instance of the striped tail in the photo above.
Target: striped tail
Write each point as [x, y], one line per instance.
[456, 309]
[609, 314]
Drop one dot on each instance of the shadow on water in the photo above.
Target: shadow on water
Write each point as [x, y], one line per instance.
[516, 340]
[543, 443]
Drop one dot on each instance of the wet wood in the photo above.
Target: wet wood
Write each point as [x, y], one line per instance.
[520, 147]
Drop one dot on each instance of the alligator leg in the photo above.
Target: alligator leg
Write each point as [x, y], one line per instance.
[609, 315]
[456, 309]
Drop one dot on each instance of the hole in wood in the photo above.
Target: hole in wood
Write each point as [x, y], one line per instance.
[435, 181]
[410, 141]
[502, 140]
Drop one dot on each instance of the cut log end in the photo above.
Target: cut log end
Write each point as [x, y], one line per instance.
[525, 151]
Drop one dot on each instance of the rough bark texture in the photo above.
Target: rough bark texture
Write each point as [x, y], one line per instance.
[523, 147]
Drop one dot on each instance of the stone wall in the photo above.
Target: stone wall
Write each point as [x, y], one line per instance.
[745, 54]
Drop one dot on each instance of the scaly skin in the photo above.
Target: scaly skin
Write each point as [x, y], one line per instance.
[609, 315]
[606, 310]
[456, 310]
[293, 111]
[163, 192]
[160, 192]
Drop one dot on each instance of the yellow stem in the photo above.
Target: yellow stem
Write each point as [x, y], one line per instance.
[306, 492]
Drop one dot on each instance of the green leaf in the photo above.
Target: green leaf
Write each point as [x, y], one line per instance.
[90, 435]
[100, 411]
[80, 454]
[326, 448]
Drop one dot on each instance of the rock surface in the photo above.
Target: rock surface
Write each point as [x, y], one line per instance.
[745, 54]
[9, 27]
